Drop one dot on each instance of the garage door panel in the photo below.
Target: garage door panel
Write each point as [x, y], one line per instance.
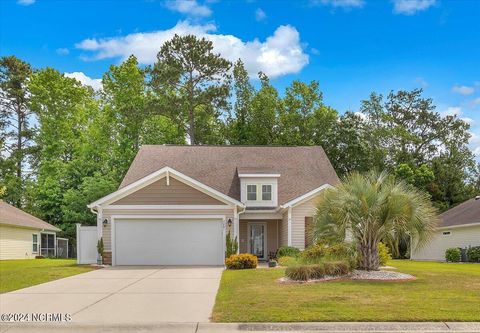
[168, 242]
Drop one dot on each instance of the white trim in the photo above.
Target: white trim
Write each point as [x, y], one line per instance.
[177, 216]
[289, 226]
[265, 247]
[258, 175]
[153, 177]
[169, 207]
[78, 242]
[209, 217]
[459, 226]
[305, 196]
[35, 234]
[259, 216]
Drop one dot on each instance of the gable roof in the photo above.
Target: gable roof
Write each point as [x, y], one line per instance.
[467, 212]
[155, 176]
[13, 216]
[301, 169]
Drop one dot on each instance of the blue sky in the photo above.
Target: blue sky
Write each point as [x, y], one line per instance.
[352, 47]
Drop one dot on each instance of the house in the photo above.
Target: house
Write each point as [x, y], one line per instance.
[459, 227]
[176, 204]
[23, 236]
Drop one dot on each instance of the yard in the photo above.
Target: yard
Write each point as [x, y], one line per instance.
[442, 292]
[17, 274]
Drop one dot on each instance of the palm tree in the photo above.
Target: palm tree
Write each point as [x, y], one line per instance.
[370, 208]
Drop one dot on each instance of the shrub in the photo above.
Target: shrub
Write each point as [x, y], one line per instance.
[453, 254]
[314, 252]
[241, 261]
[317, 271]
[100, 247]
[300, 272]
[288, 251]
[473, 254]
[383, 254]
[335, 252]
[336, 268]
[231, 245]
[287, 261]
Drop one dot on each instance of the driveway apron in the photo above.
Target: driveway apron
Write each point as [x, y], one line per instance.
[124, 294]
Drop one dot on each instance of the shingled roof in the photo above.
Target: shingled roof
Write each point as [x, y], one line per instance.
[301, 169]
[11, 215]
[467, 212]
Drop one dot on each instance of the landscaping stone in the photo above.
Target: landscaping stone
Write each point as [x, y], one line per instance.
[380, 275]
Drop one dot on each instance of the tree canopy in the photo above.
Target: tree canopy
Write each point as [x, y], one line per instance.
[62, 144]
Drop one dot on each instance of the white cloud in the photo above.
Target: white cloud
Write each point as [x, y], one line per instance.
[456, 111]
[422, 82]
[260, 15]
[340, 3]
[280, 54]
[25, 2]
[188, 7]
[96, 84]
[62, 51]
[410, 7]
[452, 111]
[475, 143]
[463, 90]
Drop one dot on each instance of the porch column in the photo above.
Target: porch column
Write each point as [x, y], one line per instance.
[289, 225]
[99, 223]
[236, 227]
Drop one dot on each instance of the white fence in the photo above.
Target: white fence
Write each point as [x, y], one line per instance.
[86, 244]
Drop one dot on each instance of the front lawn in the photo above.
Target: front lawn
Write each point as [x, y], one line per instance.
[17, 274]
[442, 292]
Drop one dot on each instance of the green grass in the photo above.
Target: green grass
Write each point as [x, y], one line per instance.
[17, 274]
[442, 292]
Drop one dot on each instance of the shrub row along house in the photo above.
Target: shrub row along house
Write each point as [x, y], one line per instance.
[176, 204]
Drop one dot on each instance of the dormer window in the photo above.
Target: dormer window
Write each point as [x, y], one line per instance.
[251, 192]
[266, 192]
[258, 187]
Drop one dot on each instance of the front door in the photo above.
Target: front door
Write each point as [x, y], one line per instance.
[257, 240]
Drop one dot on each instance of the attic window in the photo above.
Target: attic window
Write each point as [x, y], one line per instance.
[266, 192]
[446, 233]
[251, 192]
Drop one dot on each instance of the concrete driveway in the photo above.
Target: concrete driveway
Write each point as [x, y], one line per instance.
[119, 295]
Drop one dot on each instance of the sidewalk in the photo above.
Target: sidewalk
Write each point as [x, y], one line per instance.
[363, 327]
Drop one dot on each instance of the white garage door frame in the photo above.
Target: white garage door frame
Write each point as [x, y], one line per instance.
[221, 218]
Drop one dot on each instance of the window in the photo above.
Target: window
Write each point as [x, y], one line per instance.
[251, 192]
[35, 243]
[48, 245]
[266, 192]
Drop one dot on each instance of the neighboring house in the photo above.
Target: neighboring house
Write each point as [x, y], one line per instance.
[176, 203]
[23, 236]
[459, 227]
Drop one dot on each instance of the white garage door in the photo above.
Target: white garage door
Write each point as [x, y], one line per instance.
[168, 242]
